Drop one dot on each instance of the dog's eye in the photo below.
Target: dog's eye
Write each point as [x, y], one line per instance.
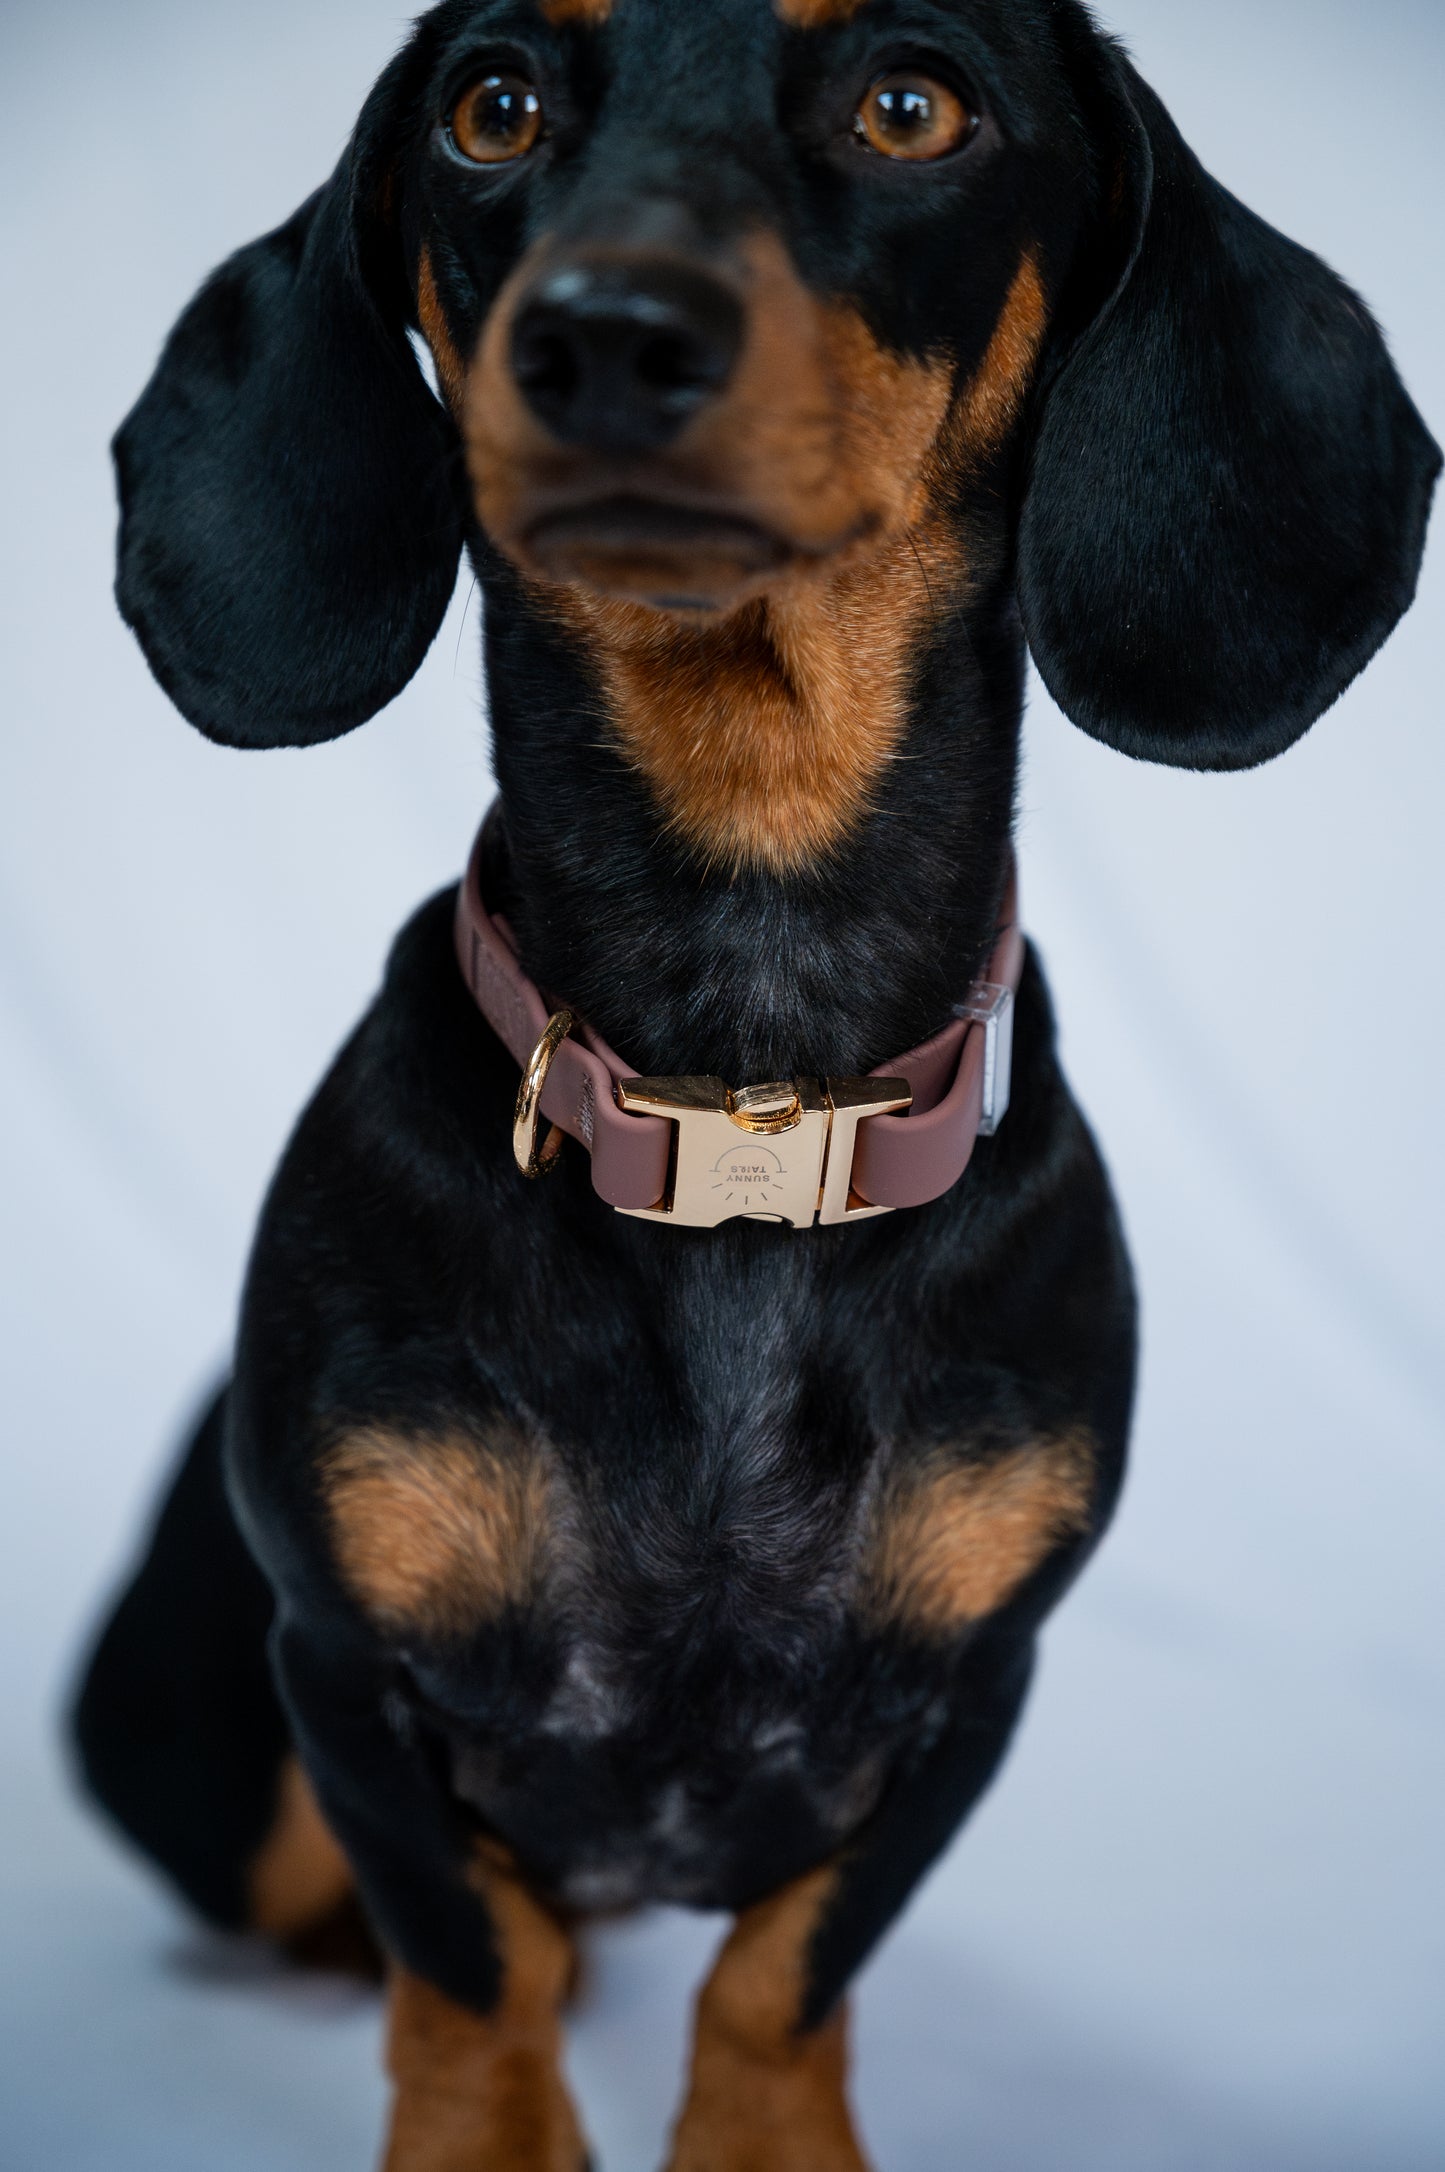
[498, 119]
[911, 116]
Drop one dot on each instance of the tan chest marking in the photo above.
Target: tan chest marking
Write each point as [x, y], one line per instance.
[956, 1540]
[591, 13]
[437, 1534]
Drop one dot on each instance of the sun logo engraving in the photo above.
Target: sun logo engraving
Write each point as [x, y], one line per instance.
[749, 1177]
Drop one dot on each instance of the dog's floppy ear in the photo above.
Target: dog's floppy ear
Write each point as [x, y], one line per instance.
[290, 514]
[1228, 487]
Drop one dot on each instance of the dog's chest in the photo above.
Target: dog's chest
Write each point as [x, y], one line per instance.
[690, 1800]
[697, 1705]
[695, 1612]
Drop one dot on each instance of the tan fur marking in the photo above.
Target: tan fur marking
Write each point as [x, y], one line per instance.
[814, 14]
[300, 1875]
[991, 402]
[760, 737]
[763, 740]
[957, 1539]
[591, 12]
[437, 1534]
[759, 2094]
[451, 370]
[759, 734]
[765, 725]
[821, 436]
[481, 2093]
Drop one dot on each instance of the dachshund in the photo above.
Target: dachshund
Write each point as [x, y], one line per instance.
[643, 1475]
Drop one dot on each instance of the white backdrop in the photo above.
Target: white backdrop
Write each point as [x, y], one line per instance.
[1200, 1925]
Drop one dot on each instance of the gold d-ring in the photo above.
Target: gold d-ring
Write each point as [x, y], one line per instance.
[529, 1101]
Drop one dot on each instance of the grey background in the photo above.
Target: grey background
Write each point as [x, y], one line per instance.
[1200, 1923]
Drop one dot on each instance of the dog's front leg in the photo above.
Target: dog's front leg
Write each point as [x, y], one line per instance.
[484, 2092]
[480, 1968]
[768, 2087]
[767, 2092]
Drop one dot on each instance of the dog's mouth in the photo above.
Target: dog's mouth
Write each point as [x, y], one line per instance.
[673, 557]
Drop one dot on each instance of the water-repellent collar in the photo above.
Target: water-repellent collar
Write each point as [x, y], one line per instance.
[695, 1152]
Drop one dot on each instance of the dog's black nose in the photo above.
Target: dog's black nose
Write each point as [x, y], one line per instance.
[618, 356]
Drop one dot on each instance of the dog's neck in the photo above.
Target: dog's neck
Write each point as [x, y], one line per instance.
[686, 963]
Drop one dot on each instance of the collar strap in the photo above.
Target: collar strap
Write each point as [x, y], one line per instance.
[692, 1152]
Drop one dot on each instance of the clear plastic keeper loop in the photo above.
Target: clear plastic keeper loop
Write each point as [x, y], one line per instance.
[992, 1008]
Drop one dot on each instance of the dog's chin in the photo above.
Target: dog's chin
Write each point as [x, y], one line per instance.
[686, 563]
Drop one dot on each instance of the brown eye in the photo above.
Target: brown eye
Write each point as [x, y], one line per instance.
[911, 116]
[498, 119]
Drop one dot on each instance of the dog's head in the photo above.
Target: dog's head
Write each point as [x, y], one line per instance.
[741, 316]
[731, 299]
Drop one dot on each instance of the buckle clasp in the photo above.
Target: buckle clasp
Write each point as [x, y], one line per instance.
[776, 1153]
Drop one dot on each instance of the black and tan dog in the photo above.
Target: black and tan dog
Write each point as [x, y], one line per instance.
[798, 361]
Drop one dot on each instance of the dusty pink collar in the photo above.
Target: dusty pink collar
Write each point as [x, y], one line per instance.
[689, 1151]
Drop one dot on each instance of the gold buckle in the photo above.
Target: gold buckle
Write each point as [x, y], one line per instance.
[528, 1116]
[793, 1163]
